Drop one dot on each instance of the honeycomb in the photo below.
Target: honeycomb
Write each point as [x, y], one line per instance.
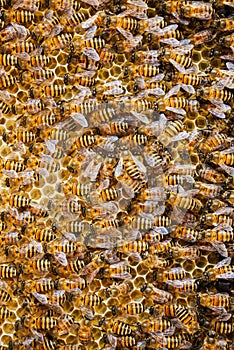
[116, 156]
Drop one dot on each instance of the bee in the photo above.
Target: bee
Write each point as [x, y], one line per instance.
[215, 94]
[7, 81]
[229, 196]
[134, 168]
[40, 323]
[185, 252]
[228, 40]
[49, 26]
[38, 61]
[57, 42]
[215, 142]
[19, 201]
[41, 234]
[145, 70]
[171, 130]
[73, 267]
[181, 62]
[85, 141]
[4, 108]
[31, 5]
[70, 285]
[22, 218]
[19, 48]
[123, 288]
[211, 175]
[202, 37]
[46, 163]
[41, 285]
[177, 273]
[6, 314]
[223, 157]
[31, 107]
[187, 319]
[89, 300]
[196, 9]
[215, 300]
[216, 218]
[174, 341]
[156, 325]
[178, 105]
[185, 202]
[39, 266]
[219, 234]
[224, 24]
[8, 271]
[24, 179]
[222, 327]
[186, 286]
[64, 246]
[11, 164]
[134, 247]
[207, 190]
[10, 238]
[221, 270]
[20, 16]
[128, 341]
[79, 79]
[27, 251]
[85, 334]
[160, 248]
[120, 328]
[133, 308]
[78, 189]
[12, 32]
[5, 296]
[46, 91]
[20, 136]
[37, 76]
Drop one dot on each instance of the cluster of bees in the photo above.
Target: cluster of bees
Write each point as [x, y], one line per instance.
[116, 165]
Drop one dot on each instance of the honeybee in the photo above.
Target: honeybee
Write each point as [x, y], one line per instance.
[49, 26]
[10, 238]
[224, 24]
[40, 266]
[178, 105]
[120, 328]
[222, 216]
[215, 142]
[202, 37]
[26, 178]
[181, 62]
[8, 60]
[73, 267]
[134, 168]
[12, 32]
[46, 91]
[221, 270]
[185, 252]
[186, 286]
[211, 175]
[222, 327]
[37, 76]
[31, 107]
[58, 42]
[173, 341]
[229, 196]
[177, 273]
[156, 325]
[196, 9]
[73, 286]
[8, 271]
[207, 190]
[183, 201]
[27, 251]
[123, 288]
[64, 246]
[187, 233]
[223, 157]
[5, 296]
[12, 165]
[214, 300]
[20, 136]
[31, 5]
[41, 285]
